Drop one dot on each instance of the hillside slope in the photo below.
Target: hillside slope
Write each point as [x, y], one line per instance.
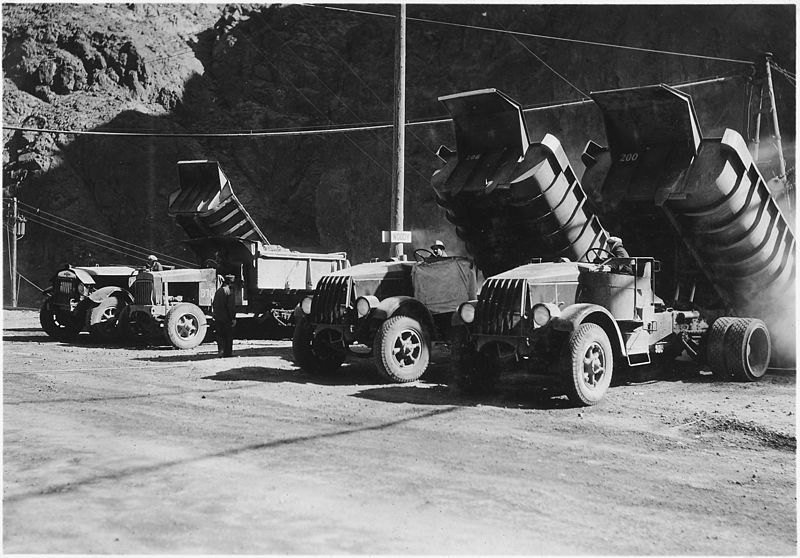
[178, 69]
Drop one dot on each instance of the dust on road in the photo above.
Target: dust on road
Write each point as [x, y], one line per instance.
[121, 450]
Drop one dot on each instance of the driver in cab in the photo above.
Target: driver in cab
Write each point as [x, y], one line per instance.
[617, 250]
[437, 249]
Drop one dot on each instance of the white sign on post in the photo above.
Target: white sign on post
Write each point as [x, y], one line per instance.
[396, 237]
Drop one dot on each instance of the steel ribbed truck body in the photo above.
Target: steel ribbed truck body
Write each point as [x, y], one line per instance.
[704, 199]
[510, 200]
[270, 280]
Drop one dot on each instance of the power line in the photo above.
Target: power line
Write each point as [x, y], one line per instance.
[366, 85]
[48, 225]
[302, 61]
[251, 133]
[538, 36]
[309, 101]
[318, 130]
[548, 66]
[71, 224]
[83, 236]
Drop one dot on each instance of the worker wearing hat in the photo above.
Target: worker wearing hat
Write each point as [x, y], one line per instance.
[617, 250]
[437, 249]
[153, 263]
[223, 310]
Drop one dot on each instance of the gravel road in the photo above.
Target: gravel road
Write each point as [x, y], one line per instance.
[120, 450]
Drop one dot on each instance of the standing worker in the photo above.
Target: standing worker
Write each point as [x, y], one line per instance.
[223, 309]
[154, 264]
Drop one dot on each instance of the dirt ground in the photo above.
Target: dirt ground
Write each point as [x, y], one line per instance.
[119, 450]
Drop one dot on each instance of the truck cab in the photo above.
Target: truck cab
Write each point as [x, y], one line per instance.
[398, 312]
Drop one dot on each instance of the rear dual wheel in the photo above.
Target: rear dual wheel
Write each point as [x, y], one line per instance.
[738, 348]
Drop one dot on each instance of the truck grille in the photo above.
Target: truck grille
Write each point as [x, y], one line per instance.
[499, 306]
[66, 290]
[330, 300]
[143, 292]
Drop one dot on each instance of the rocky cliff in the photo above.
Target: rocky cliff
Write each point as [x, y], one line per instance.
[177, 70]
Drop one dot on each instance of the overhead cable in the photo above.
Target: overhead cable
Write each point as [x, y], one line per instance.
[344, 104]
[366, 85]
[539, 36]
[85, 237]
[41, 290]
[549, 67]
[310, 102]
[71, 224]
[61, 230]
[333, 130]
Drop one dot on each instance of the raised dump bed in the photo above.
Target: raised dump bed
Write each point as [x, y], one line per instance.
[269, 280]
[511, 200]
[712, 195]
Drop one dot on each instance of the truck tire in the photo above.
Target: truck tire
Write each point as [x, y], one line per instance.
[476, 373]
[715, 347]
[185, 326]
[55, 324]
[587, 364]
[311, 354]
[102, 319]
[401, 349]
[131, 329]
[747, 349]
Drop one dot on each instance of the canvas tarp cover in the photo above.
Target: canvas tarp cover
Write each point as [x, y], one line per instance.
[442, 285]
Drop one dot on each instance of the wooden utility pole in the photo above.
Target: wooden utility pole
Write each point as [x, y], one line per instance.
[763, 81]
[398, 164]
[773, 109]
[14, 227]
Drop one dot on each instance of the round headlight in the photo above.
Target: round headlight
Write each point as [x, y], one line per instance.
[467, 312]
[83, 290]
[305, 306]
[541, 314]
[363, 307]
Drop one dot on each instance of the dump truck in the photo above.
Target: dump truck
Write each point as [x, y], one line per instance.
[670, 189]
[270, 280]
[700, 203]
[397, 312]
[86, 298]
[616, 318]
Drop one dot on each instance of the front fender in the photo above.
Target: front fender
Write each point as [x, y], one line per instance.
[387, 307]
[406, 306]
[103, 293]
[573, 316]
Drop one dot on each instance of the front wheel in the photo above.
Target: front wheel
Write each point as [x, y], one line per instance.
[401, 349]
[185, 326]
[587, 364]
[56, 324]
[477, 373]
[313, 354]
[103, 319]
